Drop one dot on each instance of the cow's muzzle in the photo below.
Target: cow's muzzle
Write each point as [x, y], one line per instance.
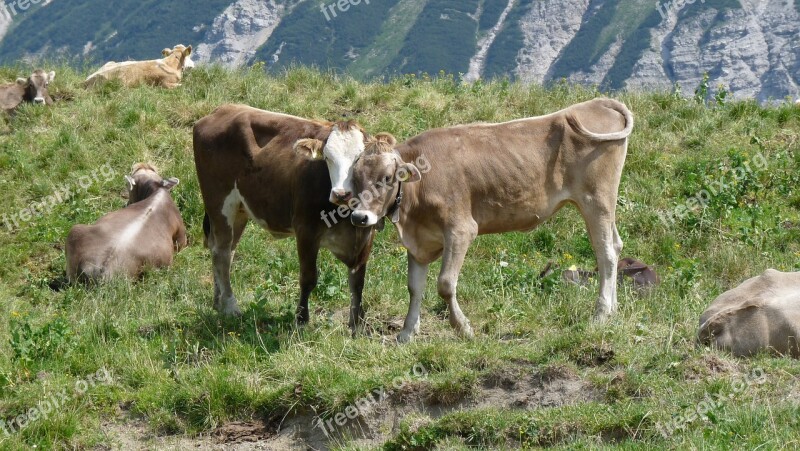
[340, 196]
[39, 101]
[361, 218]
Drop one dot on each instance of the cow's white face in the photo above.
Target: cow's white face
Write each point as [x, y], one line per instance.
[340, 152]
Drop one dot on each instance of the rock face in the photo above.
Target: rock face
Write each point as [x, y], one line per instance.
[751, 47]
[754, 51]
[239, 31]
[547, 28]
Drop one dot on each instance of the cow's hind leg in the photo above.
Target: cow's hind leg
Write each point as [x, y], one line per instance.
[457, 242]
[307, 250]
[607, 246]
[417, 277]
[222, 240]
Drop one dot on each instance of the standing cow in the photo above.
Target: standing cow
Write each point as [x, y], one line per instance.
[492, 178]
[146, 233]
[31, 90]
[264, 166]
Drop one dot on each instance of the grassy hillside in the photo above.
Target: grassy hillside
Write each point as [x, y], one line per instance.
[537, 374]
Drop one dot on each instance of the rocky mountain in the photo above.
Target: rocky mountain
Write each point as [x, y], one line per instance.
[752, 47]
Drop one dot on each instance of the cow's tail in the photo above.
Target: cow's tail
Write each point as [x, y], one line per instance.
[206, 229]
[614, 105]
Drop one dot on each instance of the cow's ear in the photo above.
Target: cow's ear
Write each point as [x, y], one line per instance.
[130, 182]
[51, 76]
[309, 148]
[386, 138]
[166, 52]
[408, 173]
[22, 81]
[170, 183]
[188, 51]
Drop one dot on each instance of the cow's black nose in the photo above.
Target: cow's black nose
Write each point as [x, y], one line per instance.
[359, 219]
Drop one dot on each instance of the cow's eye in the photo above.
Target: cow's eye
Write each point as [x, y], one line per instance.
[387, 179]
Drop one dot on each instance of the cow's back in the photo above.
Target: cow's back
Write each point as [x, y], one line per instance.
[252, 151]
[11, 95]
[125, 241]
[763, 313]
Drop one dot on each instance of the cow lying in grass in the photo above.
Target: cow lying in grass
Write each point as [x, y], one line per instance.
[641, 275]
[493, 178]
[31, 90]
[761, 314]
[268, 167]
[166, 72]
[146, 233]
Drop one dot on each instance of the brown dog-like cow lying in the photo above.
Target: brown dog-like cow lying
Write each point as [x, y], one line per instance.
[146, 233]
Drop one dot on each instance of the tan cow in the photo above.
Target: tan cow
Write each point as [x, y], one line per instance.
[146, 233]
[761, 314]
[493, 178]
[166, 72]
[32, 90]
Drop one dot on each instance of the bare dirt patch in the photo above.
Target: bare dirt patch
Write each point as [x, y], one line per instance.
[516, 387]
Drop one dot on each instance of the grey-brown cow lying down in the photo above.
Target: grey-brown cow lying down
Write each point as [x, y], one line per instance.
[761, 314]
[166, 72]
[32, 90]
[493, 178]
[146, 233]
[642, 275]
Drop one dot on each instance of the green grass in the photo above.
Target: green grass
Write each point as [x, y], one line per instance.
[180, 368]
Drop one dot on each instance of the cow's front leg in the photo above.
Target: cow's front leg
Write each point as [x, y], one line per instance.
[307, 250]
[457, 243]
[417, 278]
[356, 281]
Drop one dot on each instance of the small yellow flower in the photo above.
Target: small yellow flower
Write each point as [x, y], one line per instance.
[567, 256]
[677, 245]
[16, 314]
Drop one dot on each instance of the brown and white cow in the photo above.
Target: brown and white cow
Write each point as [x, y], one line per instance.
[166, 72]
[264, 166]
[761, 314]
[32, 90]
[492, 178]
[146, 233]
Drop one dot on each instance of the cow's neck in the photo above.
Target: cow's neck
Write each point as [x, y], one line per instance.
[173, 61]
[394, 211]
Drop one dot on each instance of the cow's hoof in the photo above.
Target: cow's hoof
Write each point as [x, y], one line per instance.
[602, 316]
[301, 319]
[232, 311]
[466, 332]
[405, 336]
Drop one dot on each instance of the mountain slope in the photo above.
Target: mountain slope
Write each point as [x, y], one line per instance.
[752, 47]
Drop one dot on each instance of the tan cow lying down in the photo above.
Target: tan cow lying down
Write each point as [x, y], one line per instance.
[31, 90]
[166, 72]
[146, 233]
[494, 178]
[761, 314]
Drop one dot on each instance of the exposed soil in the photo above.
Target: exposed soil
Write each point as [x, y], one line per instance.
[516, 387]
